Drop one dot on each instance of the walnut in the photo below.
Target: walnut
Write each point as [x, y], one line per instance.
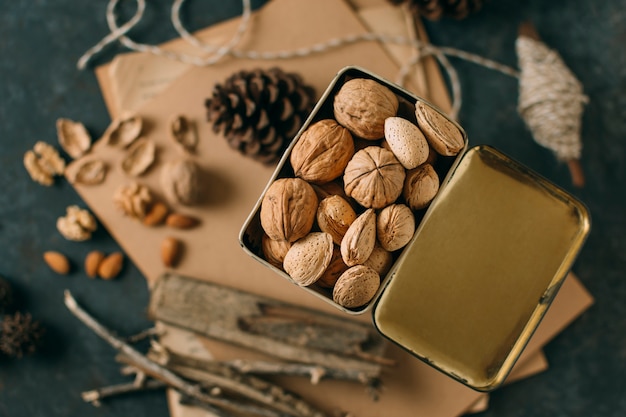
[334, 216]
[322, 152]
[274, 250]
[77, 224]
[362, 105]
[288, 209]
[374, 177]
[181, 181]
[73, 137]
[421, 186]
[133, 200]
[43, 163]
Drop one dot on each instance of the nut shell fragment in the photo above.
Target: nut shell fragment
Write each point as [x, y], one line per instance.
[308, 258]
[87, 172]
[124, 131]
[183, 132]
[359, 240]
[395, 226]
[73, 137]
[288, 209]
[356, 287]
[374, 177]
[362, 105]
[180, 181]
[139, 157]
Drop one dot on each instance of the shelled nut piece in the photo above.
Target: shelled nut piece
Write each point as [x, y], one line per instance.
[92, 263]
[374, 177]
[356, 287]
[133, 200]
[308, 258]
[73, 137]
[181, 221]
[421, 186]
[288, 209]
[334, 216]
[123, 131]
[57, 262]
[322, 152]
[362, 105]
[440, 132]
[43, 163]
[171, 251]
[87, 172]
[358, 242]
[139, 157]
[180, 181]
[395, 226]
[406, 141]
[77, 224]
[156, 214]
[111, 266]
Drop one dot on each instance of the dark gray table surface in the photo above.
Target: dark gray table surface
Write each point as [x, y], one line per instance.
[40, 42]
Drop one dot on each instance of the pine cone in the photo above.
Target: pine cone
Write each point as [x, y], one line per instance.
[19, 335]
[260, 111]
[436, 9]
[6, 295]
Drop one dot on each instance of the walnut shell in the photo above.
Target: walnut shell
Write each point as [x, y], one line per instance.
[274, 250]
[123, 131]
[288, 209]
[406, 141]
[334, 216]
[374, 177]
[73, 137]
[362, 105]
[359, 240]
[322, 152]
[87, 172]
[139, 157]
[356, 287]
[308, 258]
[421, 186]
[395, 226]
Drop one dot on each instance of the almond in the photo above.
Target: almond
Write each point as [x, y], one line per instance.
[442, 134]
[356, 287]
[156, 215]
[57, 262]
[171, 249]
[308, 258]
[406, 141]
[111, 266]
[359, 240]
[181, 221]
[92, 263]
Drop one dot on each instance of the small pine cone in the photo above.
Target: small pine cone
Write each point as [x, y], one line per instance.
[6, 295]
[436, 9]
[260, 111]
[19, 335]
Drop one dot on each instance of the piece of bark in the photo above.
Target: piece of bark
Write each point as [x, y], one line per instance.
[216, 312]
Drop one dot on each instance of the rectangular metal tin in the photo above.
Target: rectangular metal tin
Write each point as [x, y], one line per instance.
[486, 260]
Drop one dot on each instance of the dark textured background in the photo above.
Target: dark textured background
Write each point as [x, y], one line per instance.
[40, 42]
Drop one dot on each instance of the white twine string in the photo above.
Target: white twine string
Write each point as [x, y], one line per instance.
[118, 33]
[544, 77]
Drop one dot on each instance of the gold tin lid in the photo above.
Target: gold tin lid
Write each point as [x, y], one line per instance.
[482, 269]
